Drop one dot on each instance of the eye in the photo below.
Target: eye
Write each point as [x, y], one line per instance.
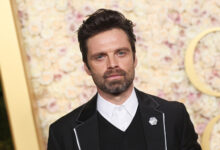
[121, 53]
[99, 57]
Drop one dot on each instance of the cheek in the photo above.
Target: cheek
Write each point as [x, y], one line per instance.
[98, 69]
[127, 64]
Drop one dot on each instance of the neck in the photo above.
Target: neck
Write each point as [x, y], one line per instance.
[117, 99]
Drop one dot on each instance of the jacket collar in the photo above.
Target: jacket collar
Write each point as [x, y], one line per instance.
[88, 110]
[146, 101]
[86, 132]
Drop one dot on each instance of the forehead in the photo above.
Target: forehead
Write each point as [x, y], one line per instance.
[109, 40]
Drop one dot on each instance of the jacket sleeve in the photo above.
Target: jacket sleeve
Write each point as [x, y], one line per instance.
[53, 143]
[189, 136]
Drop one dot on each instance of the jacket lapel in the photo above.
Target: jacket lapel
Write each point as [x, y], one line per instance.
[87, 130]
[153, 122]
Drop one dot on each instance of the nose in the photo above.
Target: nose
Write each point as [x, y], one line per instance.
[112, 62]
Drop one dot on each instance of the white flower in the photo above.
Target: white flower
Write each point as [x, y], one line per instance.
[215, 82]
[70, 92]
[177, 76]
[37, 5]
[35, 27]
[35, 68]
[46, 44]
[72, 105]
[47, 33]
[127, 5]
[66, 64]
[61, 5]
[46, 78]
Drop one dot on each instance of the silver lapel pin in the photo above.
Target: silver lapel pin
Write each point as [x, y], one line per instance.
[153, 121]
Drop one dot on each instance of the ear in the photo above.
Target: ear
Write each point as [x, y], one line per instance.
[135, 61]
[87, 69]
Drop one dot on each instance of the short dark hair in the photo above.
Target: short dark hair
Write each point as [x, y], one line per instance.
[103, 20]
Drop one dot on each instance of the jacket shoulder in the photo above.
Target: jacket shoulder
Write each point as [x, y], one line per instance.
[163, 104]
[169, 104]
[174, 110]
[68, 120]
[159, 100]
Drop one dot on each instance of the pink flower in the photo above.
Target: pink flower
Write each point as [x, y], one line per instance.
[28, 57]
[213, 19]
[215, 73]
[168, 44]
[174, 15]
[79, 17]
[57, 77]
[161, 94]
[62, 51]
[197, 54]
[182, 33]
[203, 13]
[167, 59]
[20, 14]
[52, 105]
[72, 27]
[191, 97]
[200, 128]
[180, 44]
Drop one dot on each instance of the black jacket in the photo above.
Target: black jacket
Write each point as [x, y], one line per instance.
[78, 130]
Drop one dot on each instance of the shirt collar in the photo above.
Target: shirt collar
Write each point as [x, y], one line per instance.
[106, 108]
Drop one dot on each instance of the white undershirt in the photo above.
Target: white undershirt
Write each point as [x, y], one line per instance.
[120, 116]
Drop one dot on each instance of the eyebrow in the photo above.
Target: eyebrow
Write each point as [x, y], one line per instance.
[103, 53]
[123, 48]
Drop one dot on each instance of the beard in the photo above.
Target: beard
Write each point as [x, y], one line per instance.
[116, 86]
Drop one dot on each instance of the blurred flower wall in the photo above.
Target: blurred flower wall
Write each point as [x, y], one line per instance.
[164, 30]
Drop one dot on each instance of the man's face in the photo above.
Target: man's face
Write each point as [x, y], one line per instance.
[110, 61]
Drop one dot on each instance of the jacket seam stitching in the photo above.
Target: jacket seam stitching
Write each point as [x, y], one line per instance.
[164, 130]
[77, 139]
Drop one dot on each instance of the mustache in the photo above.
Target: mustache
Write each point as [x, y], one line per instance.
[111, 72]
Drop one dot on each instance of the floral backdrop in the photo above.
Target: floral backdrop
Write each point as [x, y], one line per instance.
[164, 30]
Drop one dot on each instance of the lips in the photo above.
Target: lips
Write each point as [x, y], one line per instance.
[114, 76]
[114, 73]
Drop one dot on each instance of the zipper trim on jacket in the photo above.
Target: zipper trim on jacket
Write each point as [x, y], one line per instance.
[164, 130]
[77, 140]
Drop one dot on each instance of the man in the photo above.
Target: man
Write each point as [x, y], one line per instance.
[119, 117]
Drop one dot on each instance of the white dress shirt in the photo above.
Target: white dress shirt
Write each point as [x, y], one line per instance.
[120, 116]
